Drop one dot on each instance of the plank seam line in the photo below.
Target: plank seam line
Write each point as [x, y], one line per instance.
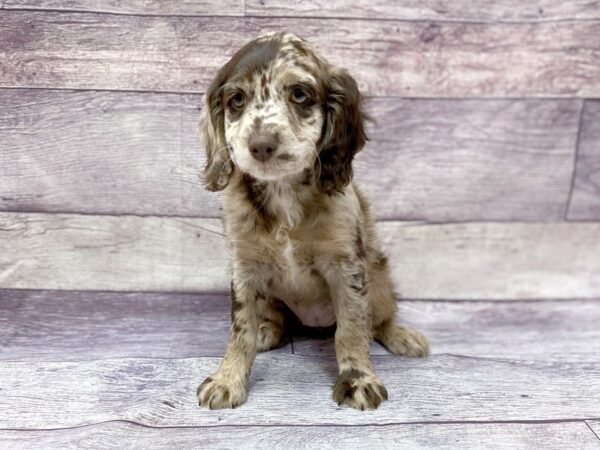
[413, 222]
[591, 429]
[500, 360]
[532, 98]
[5, 8]
[296, 425]
[404, 222]
[325, 357]
[575, 160]
[226, 293]
[311, 17]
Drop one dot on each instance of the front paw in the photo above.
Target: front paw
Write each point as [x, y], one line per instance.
[217, 393]
[359, 390]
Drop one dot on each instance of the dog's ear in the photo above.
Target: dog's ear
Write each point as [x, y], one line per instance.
[219, 167]
[343, 132]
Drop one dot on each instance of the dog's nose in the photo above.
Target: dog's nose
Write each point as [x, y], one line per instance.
[262, 146]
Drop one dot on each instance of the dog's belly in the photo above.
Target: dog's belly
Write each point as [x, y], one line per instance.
[303, 290]
[319, 314]
[308, 299]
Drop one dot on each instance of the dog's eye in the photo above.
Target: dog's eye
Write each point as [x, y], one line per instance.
[299, 95]
[238, 100]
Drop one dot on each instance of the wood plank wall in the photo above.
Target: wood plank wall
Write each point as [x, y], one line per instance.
[484, 113]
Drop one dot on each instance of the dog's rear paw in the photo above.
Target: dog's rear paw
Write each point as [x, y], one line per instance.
[403, 341]
[359, 390]
[215, 393]
[269, 336]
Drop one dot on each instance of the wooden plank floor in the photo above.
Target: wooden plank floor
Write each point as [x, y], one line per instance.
[108, 369]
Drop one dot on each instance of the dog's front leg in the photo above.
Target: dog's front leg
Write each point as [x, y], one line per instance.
[357, 384]
[227, 388]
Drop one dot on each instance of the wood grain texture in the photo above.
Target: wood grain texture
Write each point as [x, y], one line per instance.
[489, 10]
[455, 261]
[137, 153]
[143, 7]
[509, 436]
[585, 201]
[159, 392]
[112, 253]
[540, 331]
[494, 261]
[69, 326]
[595, 427]
[102, 152]
[458, 160]
[423, 59]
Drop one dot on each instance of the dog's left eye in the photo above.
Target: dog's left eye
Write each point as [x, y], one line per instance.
[238, 100]
[299, 95]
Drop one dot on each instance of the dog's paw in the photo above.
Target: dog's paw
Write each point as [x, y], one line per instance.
[269, 336]
[216, 393]
[359, 390]
[403, 341]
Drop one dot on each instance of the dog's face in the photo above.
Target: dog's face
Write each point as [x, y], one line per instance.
[273, 112]
[276, 109]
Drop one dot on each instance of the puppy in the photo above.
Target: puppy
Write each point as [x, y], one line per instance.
[280, 127]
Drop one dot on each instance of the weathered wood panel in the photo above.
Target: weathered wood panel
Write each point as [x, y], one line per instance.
[99, 51]
[112, 253]
[595, 426]
[457, 261]
[542, 330]
[506, 10]
[134, 153]
[458, 160]
[283, 388]
[71, 325]
[490, 10]
[494, 261]
[143, 7]
[102, 152]
[68, 325]
[585, 201]
[510, 436]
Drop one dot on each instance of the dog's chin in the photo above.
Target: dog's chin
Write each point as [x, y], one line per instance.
[268, 171]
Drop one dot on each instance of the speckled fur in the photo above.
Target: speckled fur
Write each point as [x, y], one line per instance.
[300, 231]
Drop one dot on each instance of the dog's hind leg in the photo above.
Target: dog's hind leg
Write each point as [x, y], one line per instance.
[397, 339]
[271, 325]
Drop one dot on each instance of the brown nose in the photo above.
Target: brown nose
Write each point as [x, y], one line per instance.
[262, 146]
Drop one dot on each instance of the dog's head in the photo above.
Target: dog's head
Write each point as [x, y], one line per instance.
[276, 109]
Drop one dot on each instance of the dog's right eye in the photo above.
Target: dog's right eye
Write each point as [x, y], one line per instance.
[238, 100]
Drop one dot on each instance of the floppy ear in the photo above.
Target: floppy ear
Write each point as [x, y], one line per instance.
[343, 135]
[219, 167]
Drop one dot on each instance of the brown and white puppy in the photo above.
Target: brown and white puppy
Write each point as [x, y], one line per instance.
[280, 127]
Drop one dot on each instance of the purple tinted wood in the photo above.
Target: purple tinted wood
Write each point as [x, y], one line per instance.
[71, 325]
[137, 153]
[387, 57]
[585, 201]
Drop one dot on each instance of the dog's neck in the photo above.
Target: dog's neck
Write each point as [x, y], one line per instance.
[282, 200]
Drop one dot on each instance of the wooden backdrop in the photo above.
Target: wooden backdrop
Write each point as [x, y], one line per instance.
[483, 165]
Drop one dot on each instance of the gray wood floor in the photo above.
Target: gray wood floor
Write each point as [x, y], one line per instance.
[110, 369]
[483, 168]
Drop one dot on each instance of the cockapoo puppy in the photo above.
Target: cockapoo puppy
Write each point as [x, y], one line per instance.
[280, 127]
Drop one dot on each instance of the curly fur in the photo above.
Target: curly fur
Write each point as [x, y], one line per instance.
[301, 233]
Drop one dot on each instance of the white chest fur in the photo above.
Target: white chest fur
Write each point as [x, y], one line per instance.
[301, 288]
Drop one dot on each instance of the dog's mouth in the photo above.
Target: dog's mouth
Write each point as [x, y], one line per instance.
[281, 165]
[268, 170]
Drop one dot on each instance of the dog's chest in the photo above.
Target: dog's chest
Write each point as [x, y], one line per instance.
[300, 286]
